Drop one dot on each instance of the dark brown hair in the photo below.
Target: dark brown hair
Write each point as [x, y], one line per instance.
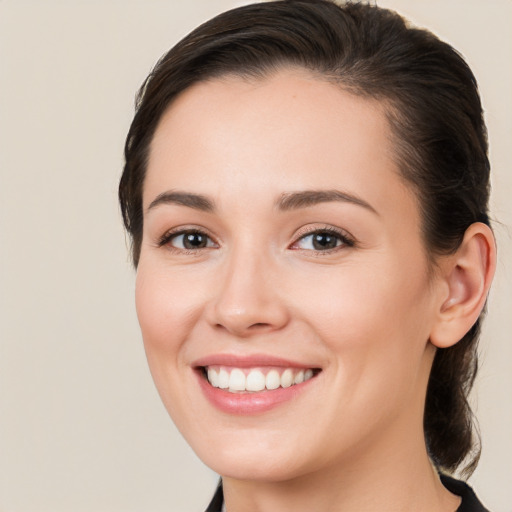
[435, 114]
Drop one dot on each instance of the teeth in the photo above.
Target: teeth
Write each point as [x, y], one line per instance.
[287, 378]
[213, 377]
[255, 381]
[223, 379]
[235, 379]
[273, 380]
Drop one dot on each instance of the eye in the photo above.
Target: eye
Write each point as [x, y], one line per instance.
[187, 240]
[322, 240]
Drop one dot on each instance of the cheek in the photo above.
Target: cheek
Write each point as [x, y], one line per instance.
[376, 331]
[374, 319]
[167, 310]
[166, 307]
[355, 300]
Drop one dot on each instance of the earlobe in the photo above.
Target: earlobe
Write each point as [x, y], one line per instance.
[467, 277]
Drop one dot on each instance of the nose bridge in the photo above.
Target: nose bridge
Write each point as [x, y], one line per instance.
[247, 299]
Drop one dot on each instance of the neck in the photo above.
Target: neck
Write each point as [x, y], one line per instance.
[401, 479]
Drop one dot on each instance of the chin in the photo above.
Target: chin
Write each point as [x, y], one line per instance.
[254, 459]
[268, 470]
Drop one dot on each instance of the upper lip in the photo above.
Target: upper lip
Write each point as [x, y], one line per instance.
[248, 361]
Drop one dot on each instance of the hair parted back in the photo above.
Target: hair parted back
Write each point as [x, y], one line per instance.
[435, 114]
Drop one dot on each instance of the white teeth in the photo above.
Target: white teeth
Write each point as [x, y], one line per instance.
[255, 381]
[287, 378]
[213, 377]
[299, 377]
[223, 379]
[236, 379]
[272, 381]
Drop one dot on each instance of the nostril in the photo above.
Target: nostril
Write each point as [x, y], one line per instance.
[259, 326]
[252, 329]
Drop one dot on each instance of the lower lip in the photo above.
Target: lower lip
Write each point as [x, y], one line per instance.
[250, 403]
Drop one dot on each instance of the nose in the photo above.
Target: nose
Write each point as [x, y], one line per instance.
[248, 299]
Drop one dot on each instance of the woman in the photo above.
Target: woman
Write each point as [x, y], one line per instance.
[306, 189]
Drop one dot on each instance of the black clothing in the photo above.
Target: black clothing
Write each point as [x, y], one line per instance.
[469, 503]
[217, 501]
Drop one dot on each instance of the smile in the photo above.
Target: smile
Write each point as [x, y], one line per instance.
[253, 380]
[252, 384]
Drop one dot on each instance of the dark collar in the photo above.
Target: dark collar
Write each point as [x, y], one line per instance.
[217, 500]
[470, 503]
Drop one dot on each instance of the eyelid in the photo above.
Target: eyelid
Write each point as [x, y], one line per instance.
[346, 238]
[182, 230]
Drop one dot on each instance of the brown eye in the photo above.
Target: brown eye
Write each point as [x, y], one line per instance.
[189, 240]
[322, 240]
[194, 240]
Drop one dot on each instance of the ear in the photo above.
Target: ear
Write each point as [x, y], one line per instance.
[466, 277]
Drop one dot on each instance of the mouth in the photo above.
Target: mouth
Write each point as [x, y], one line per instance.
[256, 379]
[252, 384]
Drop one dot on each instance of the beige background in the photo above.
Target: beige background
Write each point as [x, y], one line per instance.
[81, 427]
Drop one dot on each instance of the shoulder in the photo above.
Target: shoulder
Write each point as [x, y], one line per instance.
[470, 502]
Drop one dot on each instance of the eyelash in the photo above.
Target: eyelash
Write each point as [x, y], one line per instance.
[167, 238]
[344, 239]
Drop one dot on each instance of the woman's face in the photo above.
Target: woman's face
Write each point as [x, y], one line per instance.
[282, 257]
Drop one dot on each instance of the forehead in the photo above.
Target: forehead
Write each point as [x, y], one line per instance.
[289, 131]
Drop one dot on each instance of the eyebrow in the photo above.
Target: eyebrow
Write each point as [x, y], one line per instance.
[306, 198]
[196, 201]
[286, 202]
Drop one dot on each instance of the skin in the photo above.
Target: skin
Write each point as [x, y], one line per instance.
[363, 313]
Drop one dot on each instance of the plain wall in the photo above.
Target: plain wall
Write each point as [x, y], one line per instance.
[81, 425]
